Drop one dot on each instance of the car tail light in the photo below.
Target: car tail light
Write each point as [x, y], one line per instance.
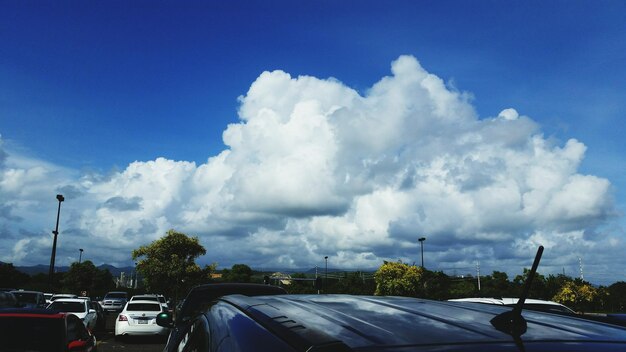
[122, 318]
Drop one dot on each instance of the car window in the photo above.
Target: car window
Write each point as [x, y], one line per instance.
[143, 307]
[196, 339]
[72, 307]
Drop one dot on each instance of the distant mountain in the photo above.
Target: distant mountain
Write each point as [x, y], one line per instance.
[44, 269]
[40, 269]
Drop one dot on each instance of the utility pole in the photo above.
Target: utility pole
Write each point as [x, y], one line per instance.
[478, 274]
[580, 264]
[318, 291]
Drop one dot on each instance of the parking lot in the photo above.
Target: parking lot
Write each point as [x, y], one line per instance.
[107, 342]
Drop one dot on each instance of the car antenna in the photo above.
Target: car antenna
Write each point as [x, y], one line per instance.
[512, 322]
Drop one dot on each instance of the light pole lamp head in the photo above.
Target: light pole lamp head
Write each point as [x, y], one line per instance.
[60, 197]
[422, 239]
[80, 249]
[326, 257]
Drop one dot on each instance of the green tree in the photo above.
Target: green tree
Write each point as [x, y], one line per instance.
[538, 288]
[11, 277]
[436, 285]
[496, 285]
[168, 266]
[86, 277]
[398, 279]
[463, 287]
[617, 296]
[238, 273]
[79, 277]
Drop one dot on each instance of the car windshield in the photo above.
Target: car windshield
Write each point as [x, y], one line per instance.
[71, 307]
[18, 333]
[137, 307]
[162, 299]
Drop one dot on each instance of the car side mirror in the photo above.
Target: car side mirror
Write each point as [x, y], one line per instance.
[165, 320]
[77, 345]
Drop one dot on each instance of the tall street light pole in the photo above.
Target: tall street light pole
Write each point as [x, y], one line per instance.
[80, 258]
[326, 271]
[422, 239]
[54, 243]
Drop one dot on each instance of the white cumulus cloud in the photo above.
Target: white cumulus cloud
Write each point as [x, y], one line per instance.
[315, 168]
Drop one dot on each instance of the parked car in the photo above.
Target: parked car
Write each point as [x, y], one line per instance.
[200, 298]
[533, 304]
[79, 307]
[373, 323]
[43, 330]
[30, 299]
[139, 318]
[114, 301]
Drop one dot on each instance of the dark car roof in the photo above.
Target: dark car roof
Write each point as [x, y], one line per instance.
[363, 322]
[199, 297]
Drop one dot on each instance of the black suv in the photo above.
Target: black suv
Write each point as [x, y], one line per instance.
[280, 322]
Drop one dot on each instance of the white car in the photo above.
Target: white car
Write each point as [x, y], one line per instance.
[532, 304]
[79, 307]
[139, 318]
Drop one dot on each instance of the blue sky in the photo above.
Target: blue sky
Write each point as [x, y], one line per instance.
[87, 88]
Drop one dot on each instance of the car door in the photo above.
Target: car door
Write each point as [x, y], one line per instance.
[78, 337]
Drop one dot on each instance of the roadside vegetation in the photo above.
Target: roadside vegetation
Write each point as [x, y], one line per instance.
[168, 266]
